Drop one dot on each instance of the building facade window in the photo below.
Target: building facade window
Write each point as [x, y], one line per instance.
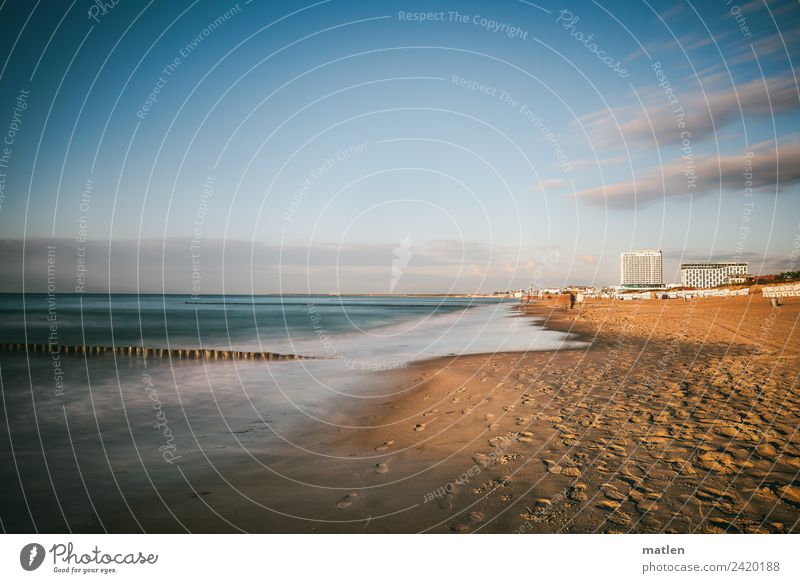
[641, 269]
[704, 275]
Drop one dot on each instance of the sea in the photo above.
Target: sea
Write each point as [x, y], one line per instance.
[84, 436]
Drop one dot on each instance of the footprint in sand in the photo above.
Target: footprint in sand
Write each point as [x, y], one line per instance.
[765, 494]
[646, 506]
[577, 493]
[789, 493]
[619, 518]
[347, 501]
[482, 460]
[571, 472]
[766, 451]
[385, 445]
[381, 468]
[445, 502]
[525, 436]
[614, 494]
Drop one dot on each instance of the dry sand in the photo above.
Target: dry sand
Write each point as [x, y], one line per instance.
[677, 417]
[673, 417]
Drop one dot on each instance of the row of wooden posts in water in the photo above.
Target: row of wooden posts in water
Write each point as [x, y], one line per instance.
[174, 353]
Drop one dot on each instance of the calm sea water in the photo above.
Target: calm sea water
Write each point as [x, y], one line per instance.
[85, 440]
[235, 322]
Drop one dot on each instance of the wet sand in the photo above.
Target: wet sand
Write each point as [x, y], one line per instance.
[670, 416]
[676, 417]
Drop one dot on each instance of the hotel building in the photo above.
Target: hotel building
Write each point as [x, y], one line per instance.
[702, 275]
[641, 269]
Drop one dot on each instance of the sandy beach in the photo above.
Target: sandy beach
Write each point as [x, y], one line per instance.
[651, 416]
[676, 417]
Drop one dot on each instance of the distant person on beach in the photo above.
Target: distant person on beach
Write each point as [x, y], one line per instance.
[571, 300]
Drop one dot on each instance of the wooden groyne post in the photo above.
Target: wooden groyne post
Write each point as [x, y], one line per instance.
[145, 352]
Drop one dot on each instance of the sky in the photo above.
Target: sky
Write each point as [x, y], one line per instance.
[440, 146]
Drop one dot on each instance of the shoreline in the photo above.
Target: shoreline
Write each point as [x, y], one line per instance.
[651, 427]
[669, 416]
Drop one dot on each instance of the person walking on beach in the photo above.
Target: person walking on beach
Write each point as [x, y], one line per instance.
[571, 299]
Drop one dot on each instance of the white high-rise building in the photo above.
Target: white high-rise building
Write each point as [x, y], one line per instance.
[702, 275]
[641, 269]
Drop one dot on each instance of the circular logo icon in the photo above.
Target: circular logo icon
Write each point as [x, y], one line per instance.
[31, 556]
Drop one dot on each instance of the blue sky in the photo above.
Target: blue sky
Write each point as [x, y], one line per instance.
[506, 142]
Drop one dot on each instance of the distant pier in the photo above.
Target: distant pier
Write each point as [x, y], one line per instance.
[140, 351]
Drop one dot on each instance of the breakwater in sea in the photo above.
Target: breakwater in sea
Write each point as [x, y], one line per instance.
[142, 351]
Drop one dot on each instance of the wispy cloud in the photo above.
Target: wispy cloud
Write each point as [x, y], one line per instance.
[674, 10]
[772, 169]
[706, 113]
[594, 162]
[551, 184]
[235, 266]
